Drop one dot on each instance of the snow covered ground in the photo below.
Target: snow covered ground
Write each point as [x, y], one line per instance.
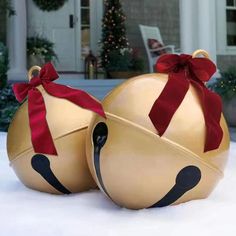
[24, 212]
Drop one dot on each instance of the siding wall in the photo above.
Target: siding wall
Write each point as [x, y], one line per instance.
[226, 61]
[161, 13]
[165, 15]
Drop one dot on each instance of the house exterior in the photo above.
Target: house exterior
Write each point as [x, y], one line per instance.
[76, 28]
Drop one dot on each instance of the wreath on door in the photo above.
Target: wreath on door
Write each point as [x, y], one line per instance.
[50, 5]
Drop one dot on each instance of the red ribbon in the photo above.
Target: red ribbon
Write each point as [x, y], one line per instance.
[184, 70]
[41, 137]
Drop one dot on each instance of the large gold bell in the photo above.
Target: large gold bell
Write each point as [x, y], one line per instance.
[66, 173]
[135, 167]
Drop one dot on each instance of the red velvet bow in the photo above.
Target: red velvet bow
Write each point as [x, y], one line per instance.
[41, 137]
[183, 70]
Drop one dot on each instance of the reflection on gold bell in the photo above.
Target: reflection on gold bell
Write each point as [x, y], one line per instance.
[66, 173]
[135, 167]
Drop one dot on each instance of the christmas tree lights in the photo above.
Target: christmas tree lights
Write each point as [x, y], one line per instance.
[114, 31]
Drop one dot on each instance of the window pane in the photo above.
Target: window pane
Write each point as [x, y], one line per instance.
[84, 3]
[85, 40]
[230, 2]
[85, 16]
[85, 27]
[231, 27]
[231, 15]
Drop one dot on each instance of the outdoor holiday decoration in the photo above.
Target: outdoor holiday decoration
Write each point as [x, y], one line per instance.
[125, 63]
[50, 5]
[39, 51]
[91, 66]
[225, 86]
[46, 139]
[165, 140]
[6, 7]
[114, 31]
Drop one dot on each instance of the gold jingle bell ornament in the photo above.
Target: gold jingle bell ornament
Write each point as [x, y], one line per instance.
[165, 140]
[46, 139]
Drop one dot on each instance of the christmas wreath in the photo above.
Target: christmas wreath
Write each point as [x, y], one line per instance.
[49, 5]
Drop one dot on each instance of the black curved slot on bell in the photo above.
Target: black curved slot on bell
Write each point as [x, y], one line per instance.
[186, 180]
[100, 134]
[41, 164]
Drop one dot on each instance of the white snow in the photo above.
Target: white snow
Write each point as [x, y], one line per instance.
[26, 212]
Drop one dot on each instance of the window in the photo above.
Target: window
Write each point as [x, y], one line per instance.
[85, 27]
[226, 27]
[231, 22]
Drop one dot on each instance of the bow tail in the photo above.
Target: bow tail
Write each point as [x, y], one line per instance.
[76, 96]
[165, 106]
[212, 107]
[42, 140]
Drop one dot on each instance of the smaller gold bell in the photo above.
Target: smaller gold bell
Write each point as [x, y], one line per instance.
[66, 173]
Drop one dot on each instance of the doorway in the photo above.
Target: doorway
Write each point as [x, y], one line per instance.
[74, 29]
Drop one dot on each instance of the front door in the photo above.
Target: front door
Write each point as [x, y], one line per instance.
[74, 29]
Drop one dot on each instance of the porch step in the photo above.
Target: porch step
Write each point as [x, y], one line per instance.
[98, 88]
[232, 133]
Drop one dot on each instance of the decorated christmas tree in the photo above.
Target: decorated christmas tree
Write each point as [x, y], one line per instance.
[114, 31]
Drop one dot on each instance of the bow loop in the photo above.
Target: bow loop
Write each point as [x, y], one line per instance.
[48, 73]
[202, 68]
[167, 63]
[184, 70]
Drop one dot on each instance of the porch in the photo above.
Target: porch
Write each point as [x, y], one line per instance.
[97, 88]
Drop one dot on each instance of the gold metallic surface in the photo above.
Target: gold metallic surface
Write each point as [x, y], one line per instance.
[68, 125]
[70, 166]
[138, 167]
[200, 52]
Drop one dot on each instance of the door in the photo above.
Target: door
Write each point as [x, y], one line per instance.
[57, 26]
[74, 29]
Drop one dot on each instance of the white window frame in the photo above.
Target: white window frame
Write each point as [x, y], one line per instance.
[96, 14]
[96, 29]
[221, 29]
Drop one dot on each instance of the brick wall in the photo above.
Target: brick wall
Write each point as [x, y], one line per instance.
[161, 13]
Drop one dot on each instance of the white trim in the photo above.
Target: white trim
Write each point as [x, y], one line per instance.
[197, 26]
[16, 40]
[221, 30]
[78, 59]
[230, 7]
[207, 27]
[96, 13]
[96, 24]
[188, 25]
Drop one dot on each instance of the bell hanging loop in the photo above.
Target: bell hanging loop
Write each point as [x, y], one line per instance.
[31, 70]
[200, 52]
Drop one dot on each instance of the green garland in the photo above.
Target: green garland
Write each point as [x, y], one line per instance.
[6, 7]
[49, 5]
